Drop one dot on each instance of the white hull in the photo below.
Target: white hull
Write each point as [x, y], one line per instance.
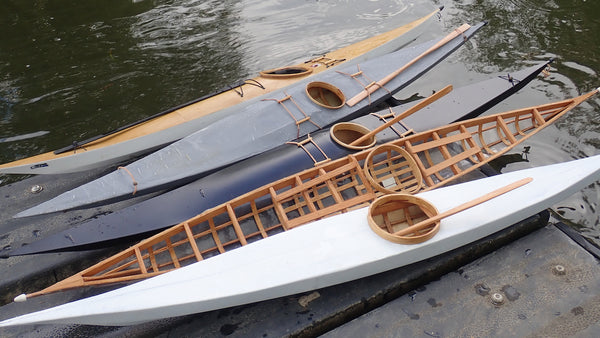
[323, 253]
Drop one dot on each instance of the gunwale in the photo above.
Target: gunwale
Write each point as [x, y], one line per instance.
[308, 195]
[213, 104]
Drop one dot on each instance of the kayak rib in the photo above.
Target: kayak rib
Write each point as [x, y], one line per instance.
[244, 176]
[169, 126]
[328, 189]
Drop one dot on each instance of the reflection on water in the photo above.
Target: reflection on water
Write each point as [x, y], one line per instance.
[281, 33]
[79, 68]
[24, 136]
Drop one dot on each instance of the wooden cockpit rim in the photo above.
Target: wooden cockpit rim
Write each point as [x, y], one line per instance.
[325, 95]
[382, 221]
[286, 72]
[344, 133]
[413, 177]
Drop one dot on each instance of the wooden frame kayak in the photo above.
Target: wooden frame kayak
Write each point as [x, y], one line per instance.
[263, 124]
[413, 164]
[176, 123]
[328, 251]
[186, 202]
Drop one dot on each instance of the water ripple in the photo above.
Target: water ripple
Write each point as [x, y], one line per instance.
[65, 92]
[183, 25]
[24, 136]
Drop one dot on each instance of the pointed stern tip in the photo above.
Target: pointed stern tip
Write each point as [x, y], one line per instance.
[20, 298]
[34, 211]
[25, 213]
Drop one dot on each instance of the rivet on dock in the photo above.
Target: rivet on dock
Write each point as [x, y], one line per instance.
[36, 189]
[559, 270]
[497, 298]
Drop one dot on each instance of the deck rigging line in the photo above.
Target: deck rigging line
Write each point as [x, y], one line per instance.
[306, 118]
[390, 116]
[302, 144]
[327, 62]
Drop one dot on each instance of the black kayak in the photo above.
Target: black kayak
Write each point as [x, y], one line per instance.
[187, 201]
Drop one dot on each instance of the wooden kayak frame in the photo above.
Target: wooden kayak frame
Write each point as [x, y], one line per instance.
[327, 189]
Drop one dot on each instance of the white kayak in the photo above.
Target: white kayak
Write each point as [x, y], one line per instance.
[323, 253]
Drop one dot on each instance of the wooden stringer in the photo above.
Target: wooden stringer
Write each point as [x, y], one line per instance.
[282, 206]
[304, 117]
[324, 193]
[439, 153]
[434, 158]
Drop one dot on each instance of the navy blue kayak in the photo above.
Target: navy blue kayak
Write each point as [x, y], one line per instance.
[189, 200]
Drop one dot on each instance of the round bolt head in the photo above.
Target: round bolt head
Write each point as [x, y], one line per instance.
[559, 270]
[36, 189]
[497, 298]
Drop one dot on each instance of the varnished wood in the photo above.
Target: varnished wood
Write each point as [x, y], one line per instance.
[401, 167]
[343, 133]
[414, 233]
[381, 221]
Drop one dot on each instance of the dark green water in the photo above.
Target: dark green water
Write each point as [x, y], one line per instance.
[73, 69]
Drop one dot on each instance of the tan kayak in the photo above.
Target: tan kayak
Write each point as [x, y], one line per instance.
[179, 122]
